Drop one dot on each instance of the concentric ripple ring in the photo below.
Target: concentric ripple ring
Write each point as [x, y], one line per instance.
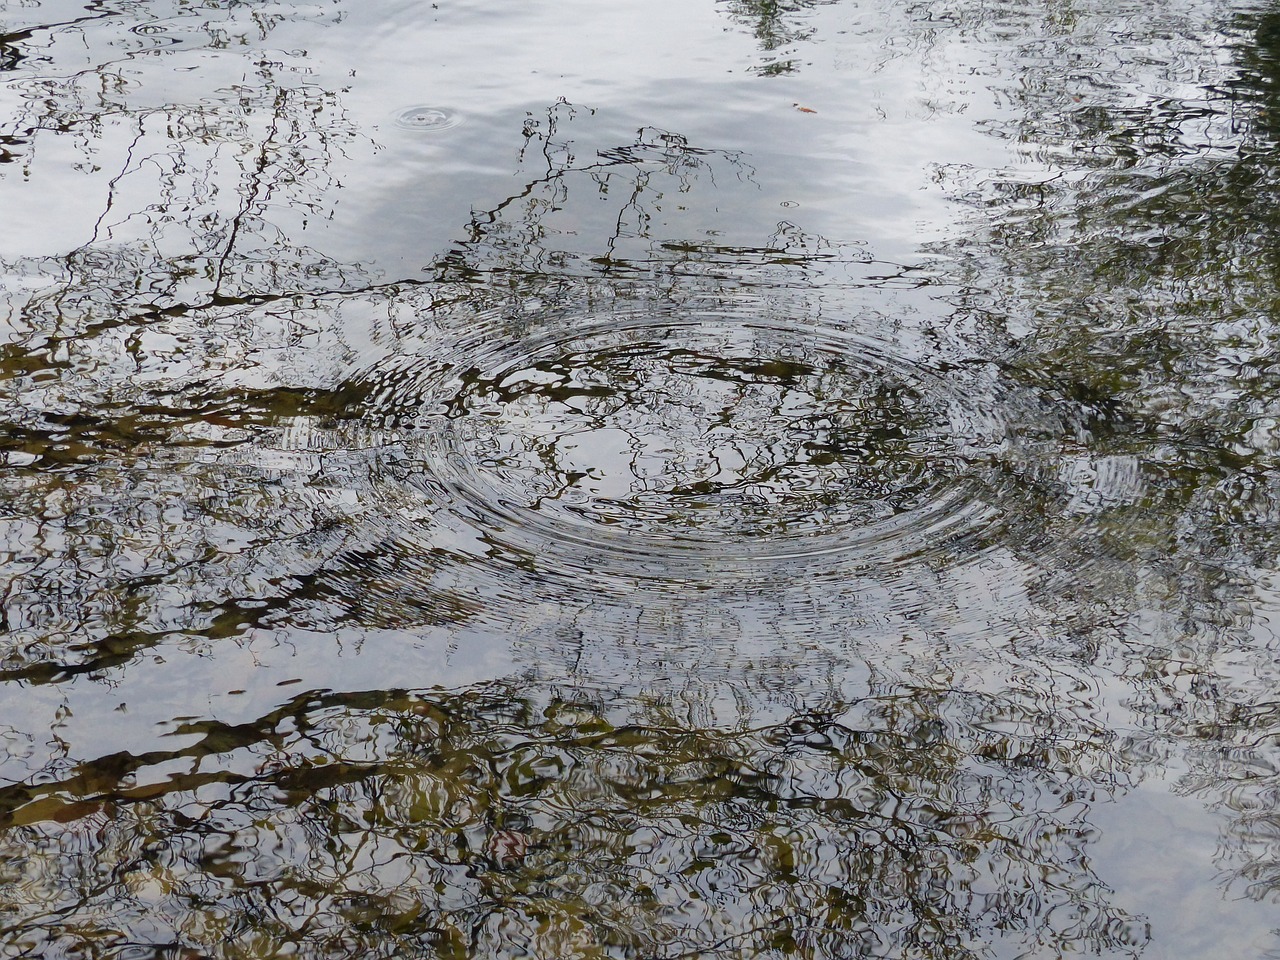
[647, 436]
[428, 119]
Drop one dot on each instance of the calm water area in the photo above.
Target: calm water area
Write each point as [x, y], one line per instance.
[656, 480]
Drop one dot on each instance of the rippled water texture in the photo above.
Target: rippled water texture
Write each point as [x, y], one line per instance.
[682, 434]
[428, 118]
[701, 479]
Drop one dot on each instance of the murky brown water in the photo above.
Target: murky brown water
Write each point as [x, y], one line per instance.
[713, 479]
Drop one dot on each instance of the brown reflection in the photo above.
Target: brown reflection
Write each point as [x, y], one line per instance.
[487, 823]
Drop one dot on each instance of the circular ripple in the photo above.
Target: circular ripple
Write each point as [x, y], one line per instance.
[656, 437]
[428, 119]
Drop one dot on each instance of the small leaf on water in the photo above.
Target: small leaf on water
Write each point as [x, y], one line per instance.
[507, 846]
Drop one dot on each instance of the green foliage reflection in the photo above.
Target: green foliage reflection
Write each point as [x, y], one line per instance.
[487, 823]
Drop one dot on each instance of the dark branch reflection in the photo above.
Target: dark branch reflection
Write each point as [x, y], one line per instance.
[487, 822]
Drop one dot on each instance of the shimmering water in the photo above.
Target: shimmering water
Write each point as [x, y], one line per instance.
[701, 479]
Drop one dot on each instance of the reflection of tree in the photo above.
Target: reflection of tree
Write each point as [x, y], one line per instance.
[1232, 767]
[612, 214]
[745, 432]
[117, 507]
[193, 247]
[777, 25]
[135, 461]
[1140, 268]
[11, 48]
[487, 824]
[203, 208]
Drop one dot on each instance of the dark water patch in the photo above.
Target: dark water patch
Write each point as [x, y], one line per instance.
[11, 48]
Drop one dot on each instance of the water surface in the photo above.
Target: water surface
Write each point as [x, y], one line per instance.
[721, 479]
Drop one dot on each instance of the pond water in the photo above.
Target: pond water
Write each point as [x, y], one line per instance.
[711, 478]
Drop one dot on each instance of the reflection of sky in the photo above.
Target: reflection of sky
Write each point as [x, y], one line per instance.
[857, 169]
[899, 94]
